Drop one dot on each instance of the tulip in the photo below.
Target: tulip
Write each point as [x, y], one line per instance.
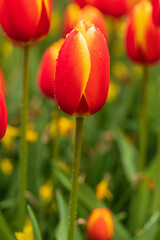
[116, 8]
[3, 115]
[2, 83]
[25, 21]
[156, 12]
[82, 72]
[74, 13]
[46, 71]
[142, 37]
[100, 224]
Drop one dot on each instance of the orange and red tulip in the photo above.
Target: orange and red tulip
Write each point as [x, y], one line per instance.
[73, 14]
[82, 71]
[116, 8]
[100, 225]
[3, 115]
[2, 83]
[142, 37]
[156, 12]
[25, 21]
[46, 71]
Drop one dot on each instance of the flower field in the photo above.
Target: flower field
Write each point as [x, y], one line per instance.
[79, 120]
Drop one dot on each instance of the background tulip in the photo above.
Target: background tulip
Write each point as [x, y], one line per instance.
[142, 37]
[156, 12]
[116, 8]
[25, 21]
[46, 72]
[74, 13]
[82, 72]
[3, 115]
[2, 83]
[100, 224]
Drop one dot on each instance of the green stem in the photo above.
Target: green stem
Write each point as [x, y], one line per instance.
[143, 121]
[23, 143]
[75, 174]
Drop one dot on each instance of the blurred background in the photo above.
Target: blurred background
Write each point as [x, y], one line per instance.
[109, 164]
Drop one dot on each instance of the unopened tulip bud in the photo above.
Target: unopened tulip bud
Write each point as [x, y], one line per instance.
[46, 71]
[3, 115]
[116, 8]
[100, 225]
[25, 21]
[73, 14]
[142, 37]
[82, 72]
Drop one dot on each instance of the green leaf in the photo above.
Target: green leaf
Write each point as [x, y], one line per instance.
[5, 232]
[88, 199]
[150, 228]
[62, 228]
[36, 231]
[129, 156]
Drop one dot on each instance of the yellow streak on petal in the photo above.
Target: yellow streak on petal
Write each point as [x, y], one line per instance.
[142, 17]
[74, 12]
[85, 61]
[39, 5]
[47, 7]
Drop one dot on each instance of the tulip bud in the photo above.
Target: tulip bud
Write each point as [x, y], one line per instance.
[156, 12]
[46, 71]
[25, 21]
[100, 224]
[116, 8]
[3, 115]
[2, 83]
[73, 14]
[142, 37]
[82, 72]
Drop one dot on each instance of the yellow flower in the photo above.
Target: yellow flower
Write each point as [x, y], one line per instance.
[113, 92]
[6, 166]
[31, 135]
[102, 191]
[46, 192]
[27, 233]
[11, 134]
[65, 125]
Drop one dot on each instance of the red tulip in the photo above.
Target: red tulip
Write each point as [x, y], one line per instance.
[3, 115]
[82, 72]
[142, 37]
[156, 12]
[46, 71]
[116, 8]
[100, 224]
[25, 20]
[2, 83]
[74, 13]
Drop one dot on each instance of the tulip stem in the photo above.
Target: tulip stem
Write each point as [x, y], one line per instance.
[75, 175]
[23, 143]
[143, 121]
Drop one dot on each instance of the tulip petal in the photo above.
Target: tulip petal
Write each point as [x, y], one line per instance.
[97, 86]
[46, 71]
[19, 19]
[45, 20]
[72, 72]
[3, 115]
